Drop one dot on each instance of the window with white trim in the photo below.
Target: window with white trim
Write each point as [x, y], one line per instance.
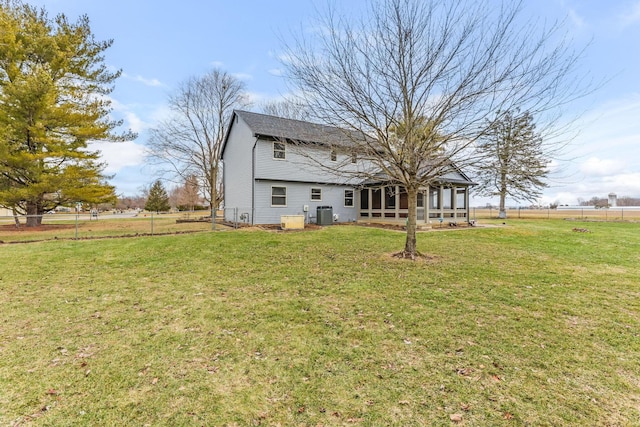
[279, 150]
[316, 194]
[334, 155]
[348, 198]
[278, 196]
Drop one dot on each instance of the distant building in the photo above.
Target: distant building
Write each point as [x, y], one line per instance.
[613, 200]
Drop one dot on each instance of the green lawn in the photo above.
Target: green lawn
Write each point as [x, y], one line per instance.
[525, 324]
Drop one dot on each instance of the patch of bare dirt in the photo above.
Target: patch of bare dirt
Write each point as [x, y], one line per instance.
[9, 228]
[418, 257]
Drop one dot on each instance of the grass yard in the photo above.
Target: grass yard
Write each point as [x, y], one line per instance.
[525, 324]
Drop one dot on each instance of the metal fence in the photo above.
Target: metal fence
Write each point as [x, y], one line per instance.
[121, 224]
[86, 225]
[240, 217]
[586, 213]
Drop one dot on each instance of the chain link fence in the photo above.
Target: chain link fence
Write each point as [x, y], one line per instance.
[578, 213]
[241, 217]
[86, 225]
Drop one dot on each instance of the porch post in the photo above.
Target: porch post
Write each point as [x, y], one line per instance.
[441, 200]
[370, 199]
[427, 202]
[396, 197]
[466, 201]
[454, 203]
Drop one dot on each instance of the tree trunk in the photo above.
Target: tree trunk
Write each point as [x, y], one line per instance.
[34, 214]
[410, 247]
[503, 190]
[16, 218]
[213, 197]
[503, 210]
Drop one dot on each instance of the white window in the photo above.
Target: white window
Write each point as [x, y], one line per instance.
[278, 196]
[316, 194]
[348, 198]
[278, 150]
[334, 155]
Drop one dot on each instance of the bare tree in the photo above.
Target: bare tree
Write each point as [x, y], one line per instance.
[287, 108]
[412, 82]
[187, 195]
[189, 142]
[514, 162]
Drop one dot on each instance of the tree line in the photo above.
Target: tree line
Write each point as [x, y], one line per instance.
[602, 202]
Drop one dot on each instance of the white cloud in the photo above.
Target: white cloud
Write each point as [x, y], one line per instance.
[631, 16]
[217, 64]
[118, 155]
[136, 124]
[160, 113]
[595, 166]
[256, 98]
[131, 119]
[626, 184]
[608, 141]
[145, 81]
[578, 21]
[278, 72]
[243, 76]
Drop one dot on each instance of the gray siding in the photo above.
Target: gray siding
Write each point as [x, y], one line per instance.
[237, 169]
[250, 171]
[297, 166]
[299, 195]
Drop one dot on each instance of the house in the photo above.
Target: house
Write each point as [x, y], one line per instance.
[273, 167]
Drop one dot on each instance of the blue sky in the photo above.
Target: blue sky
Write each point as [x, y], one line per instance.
[160, 43]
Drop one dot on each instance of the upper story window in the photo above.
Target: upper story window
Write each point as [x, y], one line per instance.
[334, 155]
[278, 150]
[354, 157]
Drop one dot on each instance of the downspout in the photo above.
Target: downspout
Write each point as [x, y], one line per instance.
[253, 181]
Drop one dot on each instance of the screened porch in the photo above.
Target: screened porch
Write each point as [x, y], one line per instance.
[389, 203]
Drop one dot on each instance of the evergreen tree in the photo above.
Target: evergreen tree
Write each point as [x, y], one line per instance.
[158, 200]
[513, 161]
[53, 87]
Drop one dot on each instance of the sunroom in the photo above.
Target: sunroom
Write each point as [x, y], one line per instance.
[443, 202]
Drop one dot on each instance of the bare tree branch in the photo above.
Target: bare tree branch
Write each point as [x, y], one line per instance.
[189, 143]
[436, 70]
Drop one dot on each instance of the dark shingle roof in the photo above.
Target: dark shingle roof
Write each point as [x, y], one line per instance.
[295, 130]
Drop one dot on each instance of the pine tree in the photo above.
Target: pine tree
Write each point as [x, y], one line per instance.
[53, 83]
[513, 160]
[158, 200]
